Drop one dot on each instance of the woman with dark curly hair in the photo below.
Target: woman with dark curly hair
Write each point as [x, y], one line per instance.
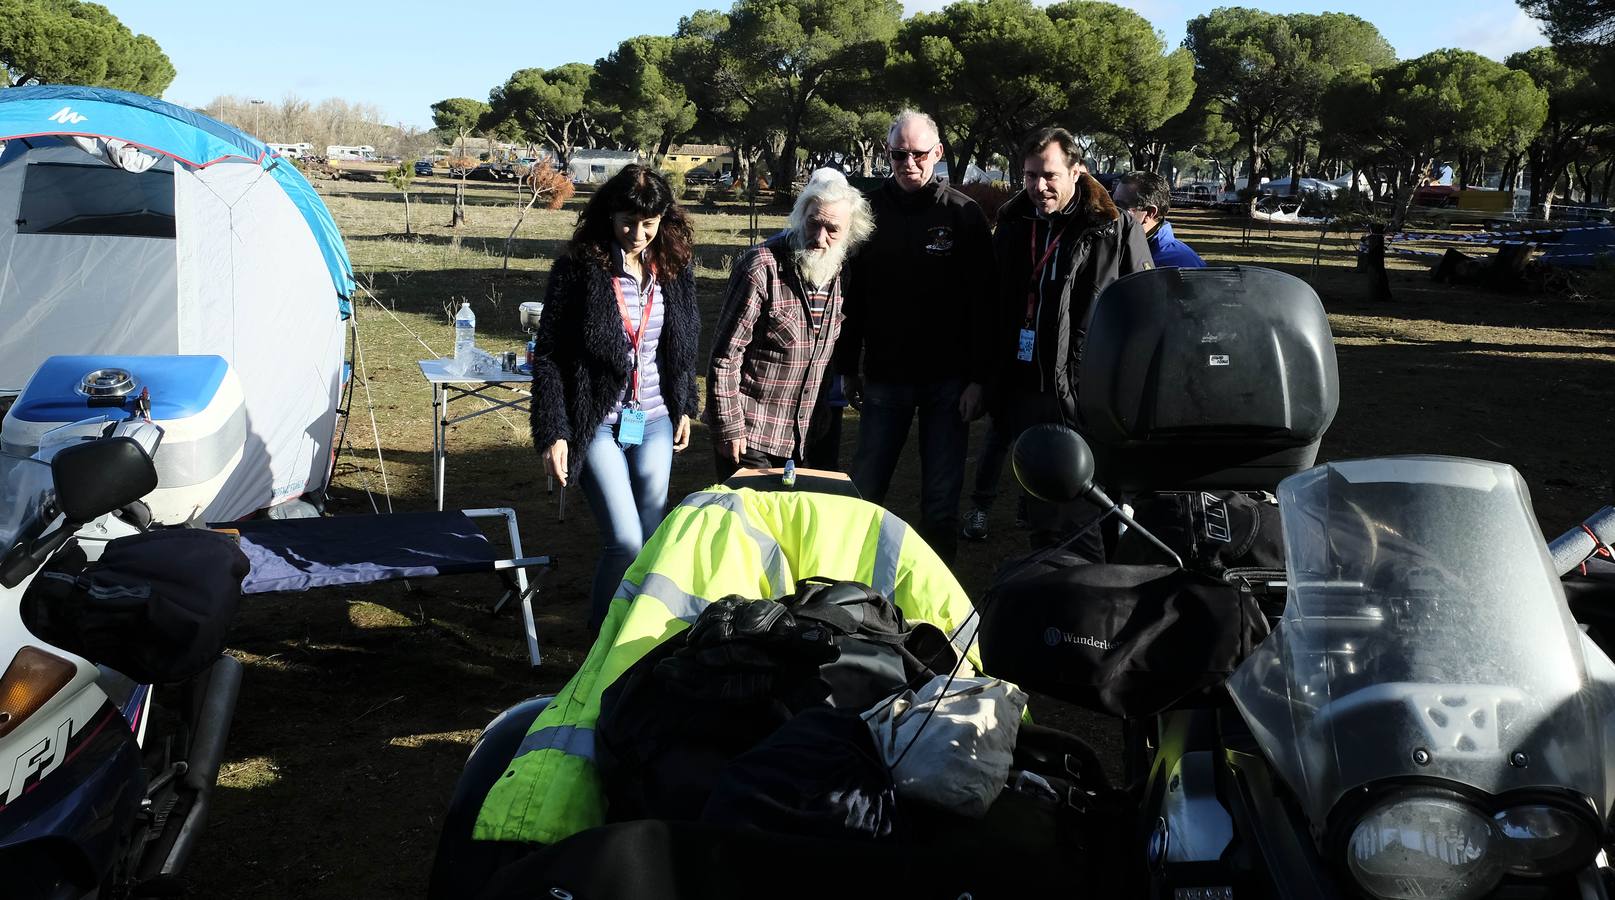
[614, 367]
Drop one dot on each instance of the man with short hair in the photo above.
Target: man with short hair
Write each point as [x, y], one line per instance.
[778, 328]
[1059, 243]
[1146, 197]
[917, 339]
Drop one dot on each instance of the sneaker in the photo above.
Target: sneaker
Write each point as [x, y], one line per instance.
[975, 526]
[1022, 520]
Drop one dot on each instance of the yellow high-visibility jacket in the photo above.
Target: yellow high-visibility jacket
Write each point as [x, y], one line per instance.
[716, 543]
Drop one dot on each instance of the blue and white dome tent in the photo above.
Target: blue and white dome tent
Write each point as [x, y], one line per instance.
[134, 226]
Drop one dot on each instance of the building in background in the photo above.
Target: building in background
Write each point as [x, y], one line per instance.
[710, 160]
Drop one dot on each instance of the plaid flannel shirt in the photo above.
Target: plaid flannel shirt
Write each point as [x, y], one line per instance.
[767, 362]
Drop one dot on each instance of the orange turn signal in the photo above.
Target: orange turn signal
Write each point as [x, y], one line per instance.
[33, 677]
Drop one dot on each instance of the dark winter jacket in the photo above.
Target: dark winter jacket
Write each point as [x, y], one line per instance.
[1097, 244]
[919, 300]
[580, 366]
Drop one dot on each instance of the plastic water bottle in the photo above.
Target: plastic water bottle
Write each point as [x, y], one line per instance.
[465, 338]
[788, 477]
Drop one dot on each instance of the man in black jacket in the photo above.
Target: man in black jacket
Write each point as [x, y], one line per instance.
[919, 311]
[1058, 244]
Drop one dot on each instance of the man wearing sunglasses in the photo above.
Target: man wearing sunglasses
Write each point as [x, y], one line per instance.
[917, 336]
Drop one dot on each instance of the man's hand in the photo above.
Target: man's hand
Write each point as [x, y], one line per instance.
[852, 387]
[732, 450]
[555, 461]
[681, 434]
[972, 402]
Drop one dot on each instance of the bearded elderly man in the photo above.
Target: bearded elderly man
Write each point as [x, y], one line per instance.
[778, 328]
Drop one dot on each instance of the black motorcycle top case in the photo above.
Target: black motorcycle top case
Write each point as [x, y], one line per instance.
[1217, 377]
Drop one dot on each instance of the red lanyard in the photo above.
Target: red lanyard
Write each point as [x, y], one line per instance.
[1038, 267]
[634, 334]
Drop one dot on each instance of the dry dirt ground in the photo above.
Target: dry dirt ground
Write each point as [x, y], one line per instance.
[359, 706]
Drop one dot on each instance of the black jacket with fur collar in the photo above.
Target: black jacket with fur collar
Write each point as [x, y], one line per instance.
[1097, 244]
[580, 365]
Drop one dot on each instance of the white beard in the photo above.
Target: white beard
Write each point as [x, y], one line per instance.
[819, 267]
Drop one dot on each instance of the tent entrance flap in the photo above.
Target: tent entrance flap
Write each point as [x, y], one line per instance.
[303, 554]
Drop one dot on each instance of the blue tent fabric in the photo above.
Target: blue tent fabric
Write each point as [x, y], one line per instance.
[174, 131]
[301, 554]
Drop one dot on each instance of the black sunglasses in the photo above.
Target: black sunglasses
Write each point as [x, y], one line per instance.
[916, 155]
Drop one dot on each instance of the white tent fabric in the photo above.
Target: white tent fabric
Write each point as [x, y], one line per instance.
[124, 155]
[243, 278]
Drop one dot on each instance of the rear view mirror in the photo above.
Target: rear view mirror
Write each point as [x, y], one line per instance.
[1053, 463]
[97, 477]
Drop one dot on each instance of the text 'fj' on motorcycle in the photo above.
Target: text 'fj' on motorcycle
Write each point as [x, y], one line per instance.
[1425, 720]
[102, 792]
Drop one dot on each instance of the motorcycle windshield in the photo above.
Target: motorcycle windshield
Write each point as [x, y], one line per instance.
[25, 486]
[1425, 634]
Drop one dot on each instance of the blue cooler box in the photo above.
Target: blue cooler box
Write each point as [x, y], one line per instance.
[196, 399]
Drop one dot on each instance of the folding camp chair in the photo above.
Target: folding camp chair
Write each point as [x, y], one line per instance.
[301, 554]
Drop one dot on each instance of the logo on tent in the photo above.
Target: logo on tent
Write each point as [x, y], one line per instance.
[67, 116]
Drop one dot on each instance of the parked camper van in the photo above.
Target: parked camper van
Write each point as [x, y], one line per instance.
[363, 153]
[293, 151]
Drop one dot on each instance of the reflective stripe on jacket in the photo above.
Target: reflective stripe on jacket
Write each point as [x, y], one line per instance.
[716, 543]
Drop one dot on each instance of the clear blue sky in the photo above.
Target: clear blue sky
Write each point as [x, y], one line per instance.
[405, 56]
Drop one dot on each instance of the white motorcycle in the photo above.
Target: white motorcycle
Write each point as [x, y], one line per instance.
[104, 791]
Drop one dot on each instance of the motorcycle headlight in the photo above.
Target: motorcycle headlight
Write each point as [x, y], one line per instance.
[1543, 840]
[1419, 847]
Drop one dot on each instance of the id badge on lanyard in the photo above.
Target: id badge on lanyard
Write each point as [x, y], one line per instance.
[631, 426]
[1028, 339]
[631, 420]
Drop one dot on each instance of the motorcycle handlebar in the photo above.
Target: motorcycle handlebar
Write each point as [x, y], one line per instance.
[1573, 548]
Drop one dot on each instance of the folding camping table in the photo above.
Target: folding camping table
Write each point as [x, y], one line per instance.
[498, 390]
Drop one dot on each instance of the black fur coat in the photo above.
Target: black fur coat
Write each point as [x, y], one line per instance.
[580, 365]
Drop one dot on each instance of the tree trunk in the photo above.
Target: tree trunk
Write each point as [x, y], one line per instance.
[785, 163]
[1402, 199]
[1511, 169]
[968, 154]
[738, 173]
[457, 217]
[1255, 160]
[407, 230]
[510, 239]
[1158, 158]
[1298, 164]
[1609, 181]
[1374, 261]
[662, 148]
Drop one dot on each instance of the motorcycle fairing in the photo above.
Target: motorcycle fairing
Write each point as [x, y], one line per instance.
[86, 803]
[1425, 635]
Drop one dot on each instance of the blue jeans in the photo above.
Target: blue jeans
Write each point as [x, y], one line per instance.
[627, 491]
[883, 424]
